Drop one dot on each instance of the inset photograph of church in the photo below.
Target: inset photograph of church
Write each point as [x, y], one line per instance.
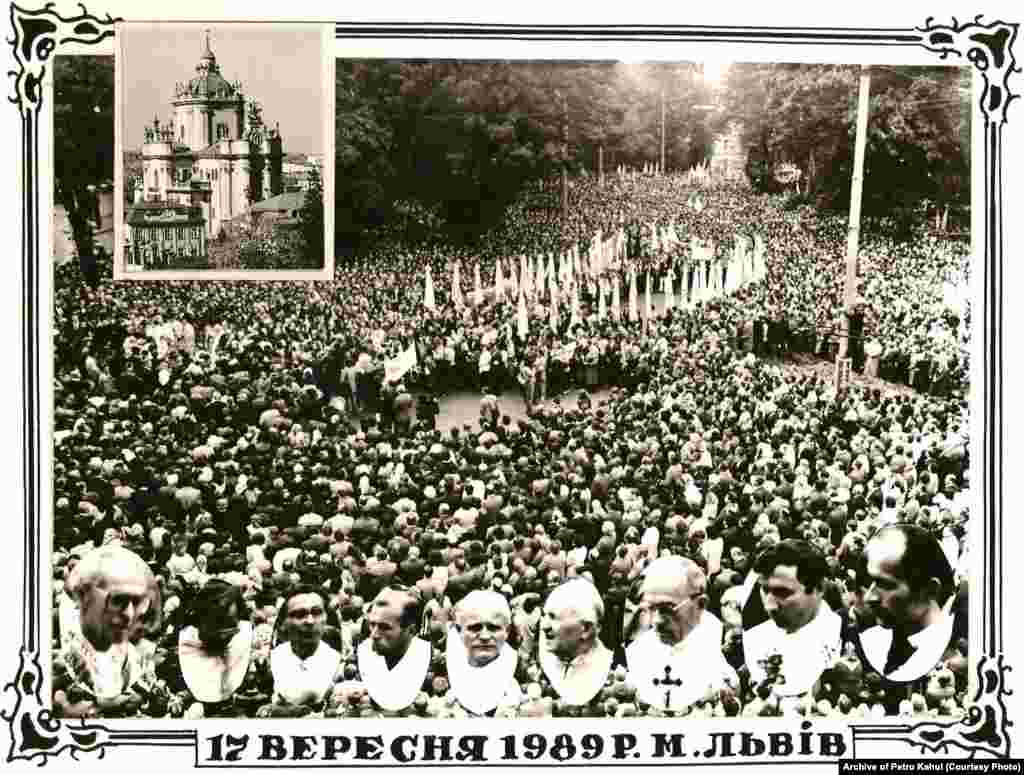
[224, 133]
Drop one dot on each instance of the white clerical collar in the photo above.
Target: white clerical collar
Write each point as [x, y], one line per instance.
[479, 689]
[579, 679]
[397, 687]
[214, 678]
[941, 627]
[106, 668]
[303, 681]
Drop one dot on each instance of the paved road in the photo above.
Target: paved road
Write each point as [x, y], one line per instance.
[458, 409]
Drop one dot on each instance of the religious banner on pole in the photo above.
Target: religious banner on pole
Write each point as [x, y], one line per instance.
[428, 292]
[499, 282]
[396, 367]
[633, 312]
[602, 311]
[553, 308]
[512, 282]
[477, 292]
[522, 321]
[648, 309]
[670, 300]
[616, 307]
[457, 286]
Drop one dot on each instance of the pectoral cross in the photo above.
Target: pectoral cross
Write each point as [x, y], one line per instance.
[669, 682]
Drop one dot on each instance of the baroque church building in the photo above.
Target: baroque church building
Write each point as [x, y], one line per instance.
[215, 157]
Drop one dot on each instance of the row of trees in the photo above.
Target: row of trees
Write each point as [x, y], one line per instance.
[454, 143]
[918, 142]
[450, 144]
[446, 146]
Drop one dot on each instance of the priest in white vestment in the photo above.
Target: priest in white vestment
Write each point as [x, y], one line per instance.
[910, 596]
[802, 628]
[303, 665]
[481, 665]
[215, 649]
[679, 660]
[110, 594]
[393, 662]
[572, 655]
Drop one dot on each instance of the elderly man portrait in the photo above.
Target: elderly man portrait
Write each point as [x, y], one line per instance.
[303, 663]
[100, 670]
[910, 592]
[679, 659]
[571, 653]
[801, 629]
[393, 660]
[480, 662]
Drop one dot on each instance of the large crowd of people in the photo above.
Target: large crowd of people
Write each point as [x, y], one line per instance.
[251, 519]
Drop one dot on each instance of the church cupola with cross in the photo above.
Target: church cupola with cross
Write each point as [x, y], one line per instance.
[217, 151]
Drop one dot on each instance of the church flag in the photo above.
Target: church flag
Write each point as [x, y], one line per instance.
[633, 312]
[457, 285]
[648, 309]
[602, 311]
[477, 292]
[616, 307]
[428, 292]
[396, 367]
[522, 321]
[499, 282]
[670, 300]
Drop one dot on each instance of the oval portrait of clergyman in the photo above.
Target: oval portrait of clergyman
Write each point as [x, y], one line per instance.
[570, 650]
[909, 588]
[215, 646]
[303, 663]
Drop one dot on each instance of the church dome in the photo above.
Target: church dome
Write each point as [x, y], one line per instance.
[208, 81]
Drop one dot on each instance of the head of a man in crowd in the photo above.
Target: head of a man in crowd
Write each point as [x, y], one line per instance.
[115, 590]
[305, 619]
[393, 620]
[217, 610]
[571, 619]
[791, 576]
[909, 578]
[482, 619]
[674, 591]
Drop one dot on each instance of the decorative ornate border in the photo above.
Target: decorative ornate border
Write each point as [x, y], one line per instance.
[37, 736]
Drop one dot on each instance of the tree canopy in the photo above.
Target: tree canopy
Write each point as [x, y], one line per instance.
[918, 142]
[83, 131]
[448, 145]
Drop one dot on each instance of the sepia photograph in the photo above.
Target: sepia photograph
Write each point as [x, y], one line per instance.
[634, 385]
[223, 147]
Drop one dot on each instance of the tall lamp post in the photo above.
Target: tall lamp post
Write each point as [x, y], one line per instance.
[843, 361]
[662, 130]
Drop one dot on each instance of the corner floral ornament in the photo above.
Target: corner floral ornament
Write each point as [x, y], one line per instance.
[36, 37]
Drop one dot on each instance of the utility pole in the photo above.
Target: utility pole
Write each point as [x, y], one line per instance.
[565, 155]
[843, 361]
[662, 130]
